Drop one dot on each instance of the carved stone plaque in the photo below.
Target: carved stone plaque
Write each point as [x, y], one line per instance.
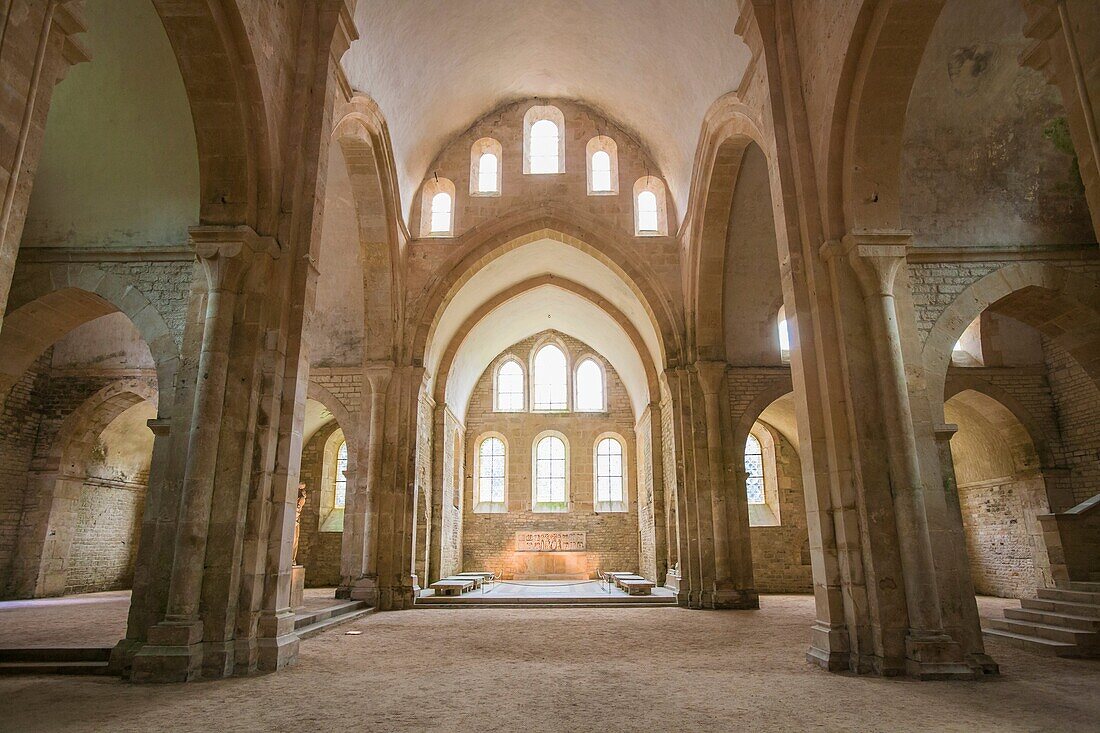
[550, 542]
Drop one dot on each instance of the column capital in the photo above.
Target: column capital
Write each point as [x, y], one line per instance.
[226, 251]
[378, 374]
[711, 373]
[876, 255]
[944, 432]
[159, 425]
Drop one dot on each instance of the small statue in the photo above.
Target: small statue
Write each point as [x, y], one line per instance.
[303, 498]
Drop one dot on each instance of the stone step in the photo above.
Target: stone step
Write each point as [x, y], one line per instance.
[1088, 587]
[1084, 623]
[1075, 609]
[10, 668]
[310, 618]
[1043, 631]
[1033, 643]
[1072, 596]
[305, 632]
[617, 602]
[36, 654]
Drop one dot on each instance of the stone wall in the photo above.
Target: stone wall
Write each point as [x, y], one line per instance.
[1077, 400]
[1003, 536]
[18, 430]
[781, 554]
[488, 540]
[104, 545]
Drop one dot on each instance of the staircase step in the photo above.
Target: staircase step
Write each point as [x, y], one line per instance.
[1033, 643]
[1083, 623]
[35, 654]
[305, 632]
[1072, 596]
[1043, 631]
[310, 618]
[10, 668]
[1088, 587]
[1075, 609]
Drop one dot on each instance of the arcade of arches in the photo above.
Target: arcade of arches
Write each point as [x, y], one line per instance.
[814, 310]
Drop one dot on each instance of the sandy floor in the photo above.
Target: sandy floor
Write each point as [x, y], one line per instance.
[654, 669]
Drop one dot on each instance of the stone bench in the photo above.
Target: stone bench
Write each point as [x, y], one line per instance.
[637, 586]
[452, 586]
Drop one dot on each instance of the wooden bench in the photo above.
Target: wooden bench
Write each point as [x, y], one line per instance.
[637, 586]
[452, 586]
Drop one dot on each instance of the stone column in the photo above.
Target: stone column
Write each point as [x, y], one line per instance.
[733, 586]
[174, 651]
[38, 49]
[876, 257]
[961, 621]
[358, 555]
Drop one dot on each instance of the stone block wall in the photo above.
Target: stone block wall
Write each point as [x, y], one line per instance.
[488, 540]
[1003, 536]
[781, 554]
[104, 546]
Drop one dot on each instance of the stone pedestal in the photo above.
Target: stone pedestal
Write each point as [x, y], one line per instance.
[297, 587]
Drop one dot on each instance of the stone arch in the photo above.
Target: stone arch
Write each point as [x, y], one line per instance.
[1036, 434]
[881, 63]
[234, 131]
[1002, 486]
[1063, 305]
[333, 404]
[363, 141]
[52, 302]
[488, 306]
[477, 248]
[778, 389]
[728, 132]
[55, 483]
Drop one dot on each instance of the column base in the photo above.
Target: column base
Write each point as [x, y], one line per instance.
[936, 657]
[173, 653]
[829, 648]
[277, 645]
[983, 664]
[363, 589]
[731, 598]
[218, 659]
[122, 657]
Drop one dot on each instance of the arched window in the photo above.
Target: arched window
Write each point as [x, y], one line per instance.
[551, 375]
[601, 171]
[544, 147]
[509, 388]
[550, 485]
[485, 164]
[603, 166]
[543, 140]
[784, 334]
[610, 476]
[647, 212]
[491, 475]
[650, 214]
[589, 387]
[761, 479]
[341, 495]
[487, 169]
[333, 496]
[754, 470]
[437, 208]
[441, 213]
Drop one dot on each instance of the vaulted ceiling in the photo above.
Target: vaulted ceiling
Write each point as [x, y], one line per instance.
[436, 66]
